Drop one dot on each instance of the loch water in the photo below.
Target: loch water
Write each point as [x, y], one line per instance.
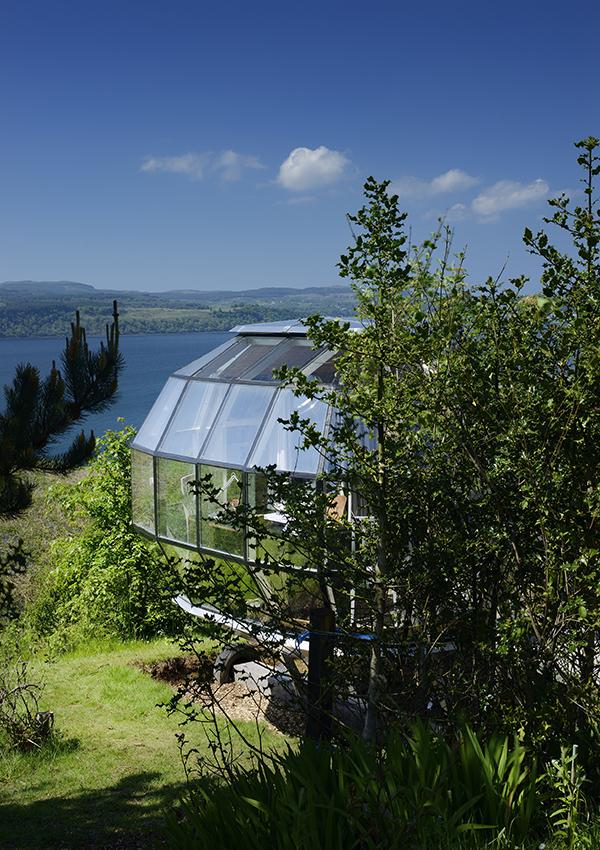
[149, 360]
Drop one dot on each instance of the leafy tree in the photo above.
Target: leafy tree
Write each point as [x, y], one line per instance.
[468, 423]
[39, 410]
[375, 450]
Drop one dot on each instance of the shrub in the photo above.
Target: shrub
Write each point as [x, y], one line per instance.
[22, 725]
[106, 580]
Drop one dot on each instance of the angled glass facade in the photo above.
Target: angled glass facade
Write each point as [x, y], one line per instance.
[218, 417]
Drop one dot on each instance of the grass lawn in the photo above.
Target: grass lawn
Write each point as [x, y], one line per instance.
[115, 764]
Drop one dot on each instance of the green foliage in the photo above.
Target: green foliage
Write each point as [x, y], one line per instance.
[419, 793]
[39, 410]
[565, 780]
[13, 563]
[106, 580]
[36, 310]
[468, 421]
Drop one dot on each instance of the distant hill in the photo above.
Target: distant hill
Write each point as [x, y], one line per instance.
[266, 293]
[46, 287]
[45, 308]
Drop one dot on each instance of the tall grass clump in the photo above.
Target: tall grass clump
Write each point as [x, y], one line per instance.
[419, 792]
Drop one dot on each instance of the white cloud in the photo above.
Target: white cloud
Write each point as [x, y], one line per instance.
[306, 168]
[450, 181]
[508, 195]
[228, 164]
[296, 200]
[457, 212]
[231, 164]
[193, 165]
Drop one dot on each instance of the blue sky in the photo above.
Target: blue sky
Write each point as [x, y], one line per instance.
[199, 145]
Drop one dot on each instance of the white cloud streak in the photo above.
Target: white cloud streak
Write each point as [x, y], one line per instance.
[508, 195]
[193, 165]
[306, 169]
[229, 165]
[412, 188]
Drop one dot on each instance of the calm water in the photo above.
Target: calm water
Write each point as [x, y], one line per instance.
[149, 360]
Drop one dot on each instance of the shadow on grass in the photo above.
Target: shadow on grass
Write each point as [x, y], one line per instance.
[127, 815]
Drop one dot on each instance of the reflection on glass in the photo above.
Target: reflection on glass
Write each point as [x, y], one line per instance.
[222, 361]
[235, 430]
[326, 372]
[272, 516]
[181, 560]
[293, 354]
[192, 421]
[142, 490]
[151, 431]
[176, 501]
[278, 445]
[197, 365]
[215, 532]
[255, 351]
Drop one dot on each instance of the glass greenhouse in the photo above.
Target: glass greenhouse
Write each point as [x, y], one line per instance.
[219, 415]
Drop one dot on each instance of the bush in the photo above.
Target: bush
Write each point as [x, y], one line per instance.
[106, 581]
[22, 725]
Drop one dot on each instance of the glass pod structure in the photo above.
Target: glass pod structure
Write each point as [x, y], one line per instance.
[218, 416]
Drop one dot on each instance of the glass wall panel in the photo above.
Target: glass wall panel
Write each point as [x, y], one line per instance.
[151, 431]
[189, 427]
[236, 428]
[181, 560]
[176, 502]
[215, 532]
[274, 544]
[142, 490]
[280, 446]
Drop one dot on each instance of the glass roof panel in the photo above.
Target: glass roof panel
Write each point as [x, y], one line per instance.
[216, 365]
[294, 353]
[196, 365]
[325, 373]
[154, 424]
[191, 423]
[280, 446]
[235, 430]
[254, 351]
[282, 327]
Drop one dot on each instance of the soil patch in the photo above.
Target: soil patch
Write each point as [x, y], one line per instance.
[193, 677]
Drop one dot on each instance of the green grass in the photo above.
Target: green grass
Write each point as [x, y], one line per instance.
[43, 522]
[114, 766]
